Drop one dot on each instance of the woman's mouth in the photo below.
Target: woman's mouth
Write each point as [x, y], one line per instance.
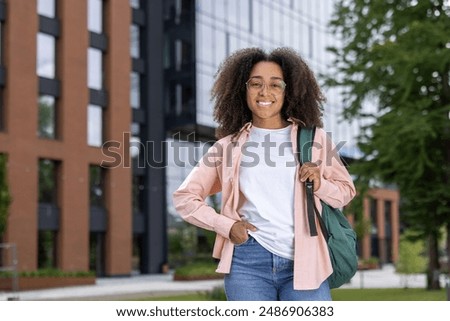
[264, 103]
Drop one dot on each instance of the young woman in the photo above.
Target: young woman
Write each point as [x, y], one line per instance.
[263, 241]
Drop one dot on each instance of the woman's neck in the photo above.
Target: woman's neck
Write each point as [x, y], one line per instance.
[270, 123]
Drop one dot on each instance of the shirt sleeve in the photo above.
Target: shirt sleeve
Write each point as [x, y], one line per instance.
[190, 198]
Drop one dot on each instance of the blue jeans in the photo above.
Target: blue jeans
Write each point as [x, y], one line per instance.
[259, 275]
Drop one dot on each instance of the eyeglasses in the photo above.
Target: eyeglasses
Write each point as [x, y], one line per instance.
[276, 86]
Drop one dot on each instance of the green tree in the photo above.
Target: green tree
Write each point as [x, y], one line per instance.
[411, 258]
[395, 55]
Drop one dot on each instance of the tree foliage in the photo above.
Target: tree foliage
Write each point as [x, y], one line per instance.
[411, 256]
[395, 58]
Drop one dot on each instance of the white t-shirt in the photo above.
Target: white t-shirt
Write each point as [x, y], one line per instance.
[267, 176]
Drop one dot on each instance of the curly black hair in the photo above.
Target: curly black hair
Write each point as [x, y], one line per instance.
[303, 96]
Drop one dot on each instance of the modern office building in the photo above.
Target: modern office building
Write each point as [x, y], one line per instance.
[99, 100]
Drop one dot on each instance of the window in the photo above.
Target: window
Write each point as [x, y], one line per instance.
[47, 117]
[373, 216]
[183, 99]
[135, 94]
[1, 43]
[46, 54]
[95, 69]
[46, 8]
[97, 178]
[134, 41]
[95, 126]
[47, 245]
[97, 253]
[96, 186]
[47, 181]
[388, 218]
[138, 193]
[2, 114]
[95, 74]
[135, 4]
[183, 54]
[136, 146]
[95, 16]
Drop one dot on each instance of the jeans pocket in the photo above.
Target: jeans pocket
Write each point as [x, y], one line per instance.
[245, 242]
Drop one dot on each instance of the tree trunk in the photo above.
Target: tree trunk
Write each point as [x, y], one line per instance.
[433, 264]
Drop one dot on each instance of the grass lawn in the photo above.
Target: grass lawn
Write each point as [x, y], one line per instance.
[184, 297]
[342, 295]
[388, 295]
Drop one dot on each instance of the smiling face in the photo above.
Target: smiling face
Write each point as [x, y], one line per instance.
[265, 101]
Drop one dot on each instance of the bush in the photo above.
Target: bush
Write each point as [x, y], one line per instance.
[411, 255]
[217, 294]
[370, 263]
[198, 270]
[49, 273]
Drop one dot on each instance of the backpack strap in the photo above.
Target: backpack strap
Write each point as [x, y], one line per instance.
[305, 138]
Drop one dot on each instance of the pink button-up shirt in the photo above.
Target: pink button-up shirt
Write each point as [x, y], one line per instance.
[218, 171]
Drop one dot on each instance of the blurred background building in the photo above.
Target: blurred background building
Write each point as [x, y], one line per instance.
[105, 108]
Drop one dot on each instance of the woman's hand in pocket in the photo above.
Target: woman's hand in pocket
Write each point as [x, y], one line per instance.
[239, 231]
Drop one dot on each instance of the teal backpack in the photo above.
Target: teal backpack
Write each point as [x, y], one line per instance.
[340, 236]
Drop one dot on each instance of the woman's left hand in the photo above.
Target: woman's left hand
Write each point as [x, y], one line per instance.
[311, 172]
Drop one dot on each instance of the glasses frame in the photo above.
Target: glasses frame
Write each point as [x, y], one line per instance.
[265, 85]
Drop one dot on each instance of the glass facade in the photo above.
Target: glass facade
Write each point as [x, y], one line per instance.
[223, 27]
[183, 155]
[137, 151]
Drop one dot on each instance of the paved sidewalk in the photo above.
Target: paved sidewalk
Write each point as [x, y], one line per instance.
[118, 288]
[163, 284]
[386, 277]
